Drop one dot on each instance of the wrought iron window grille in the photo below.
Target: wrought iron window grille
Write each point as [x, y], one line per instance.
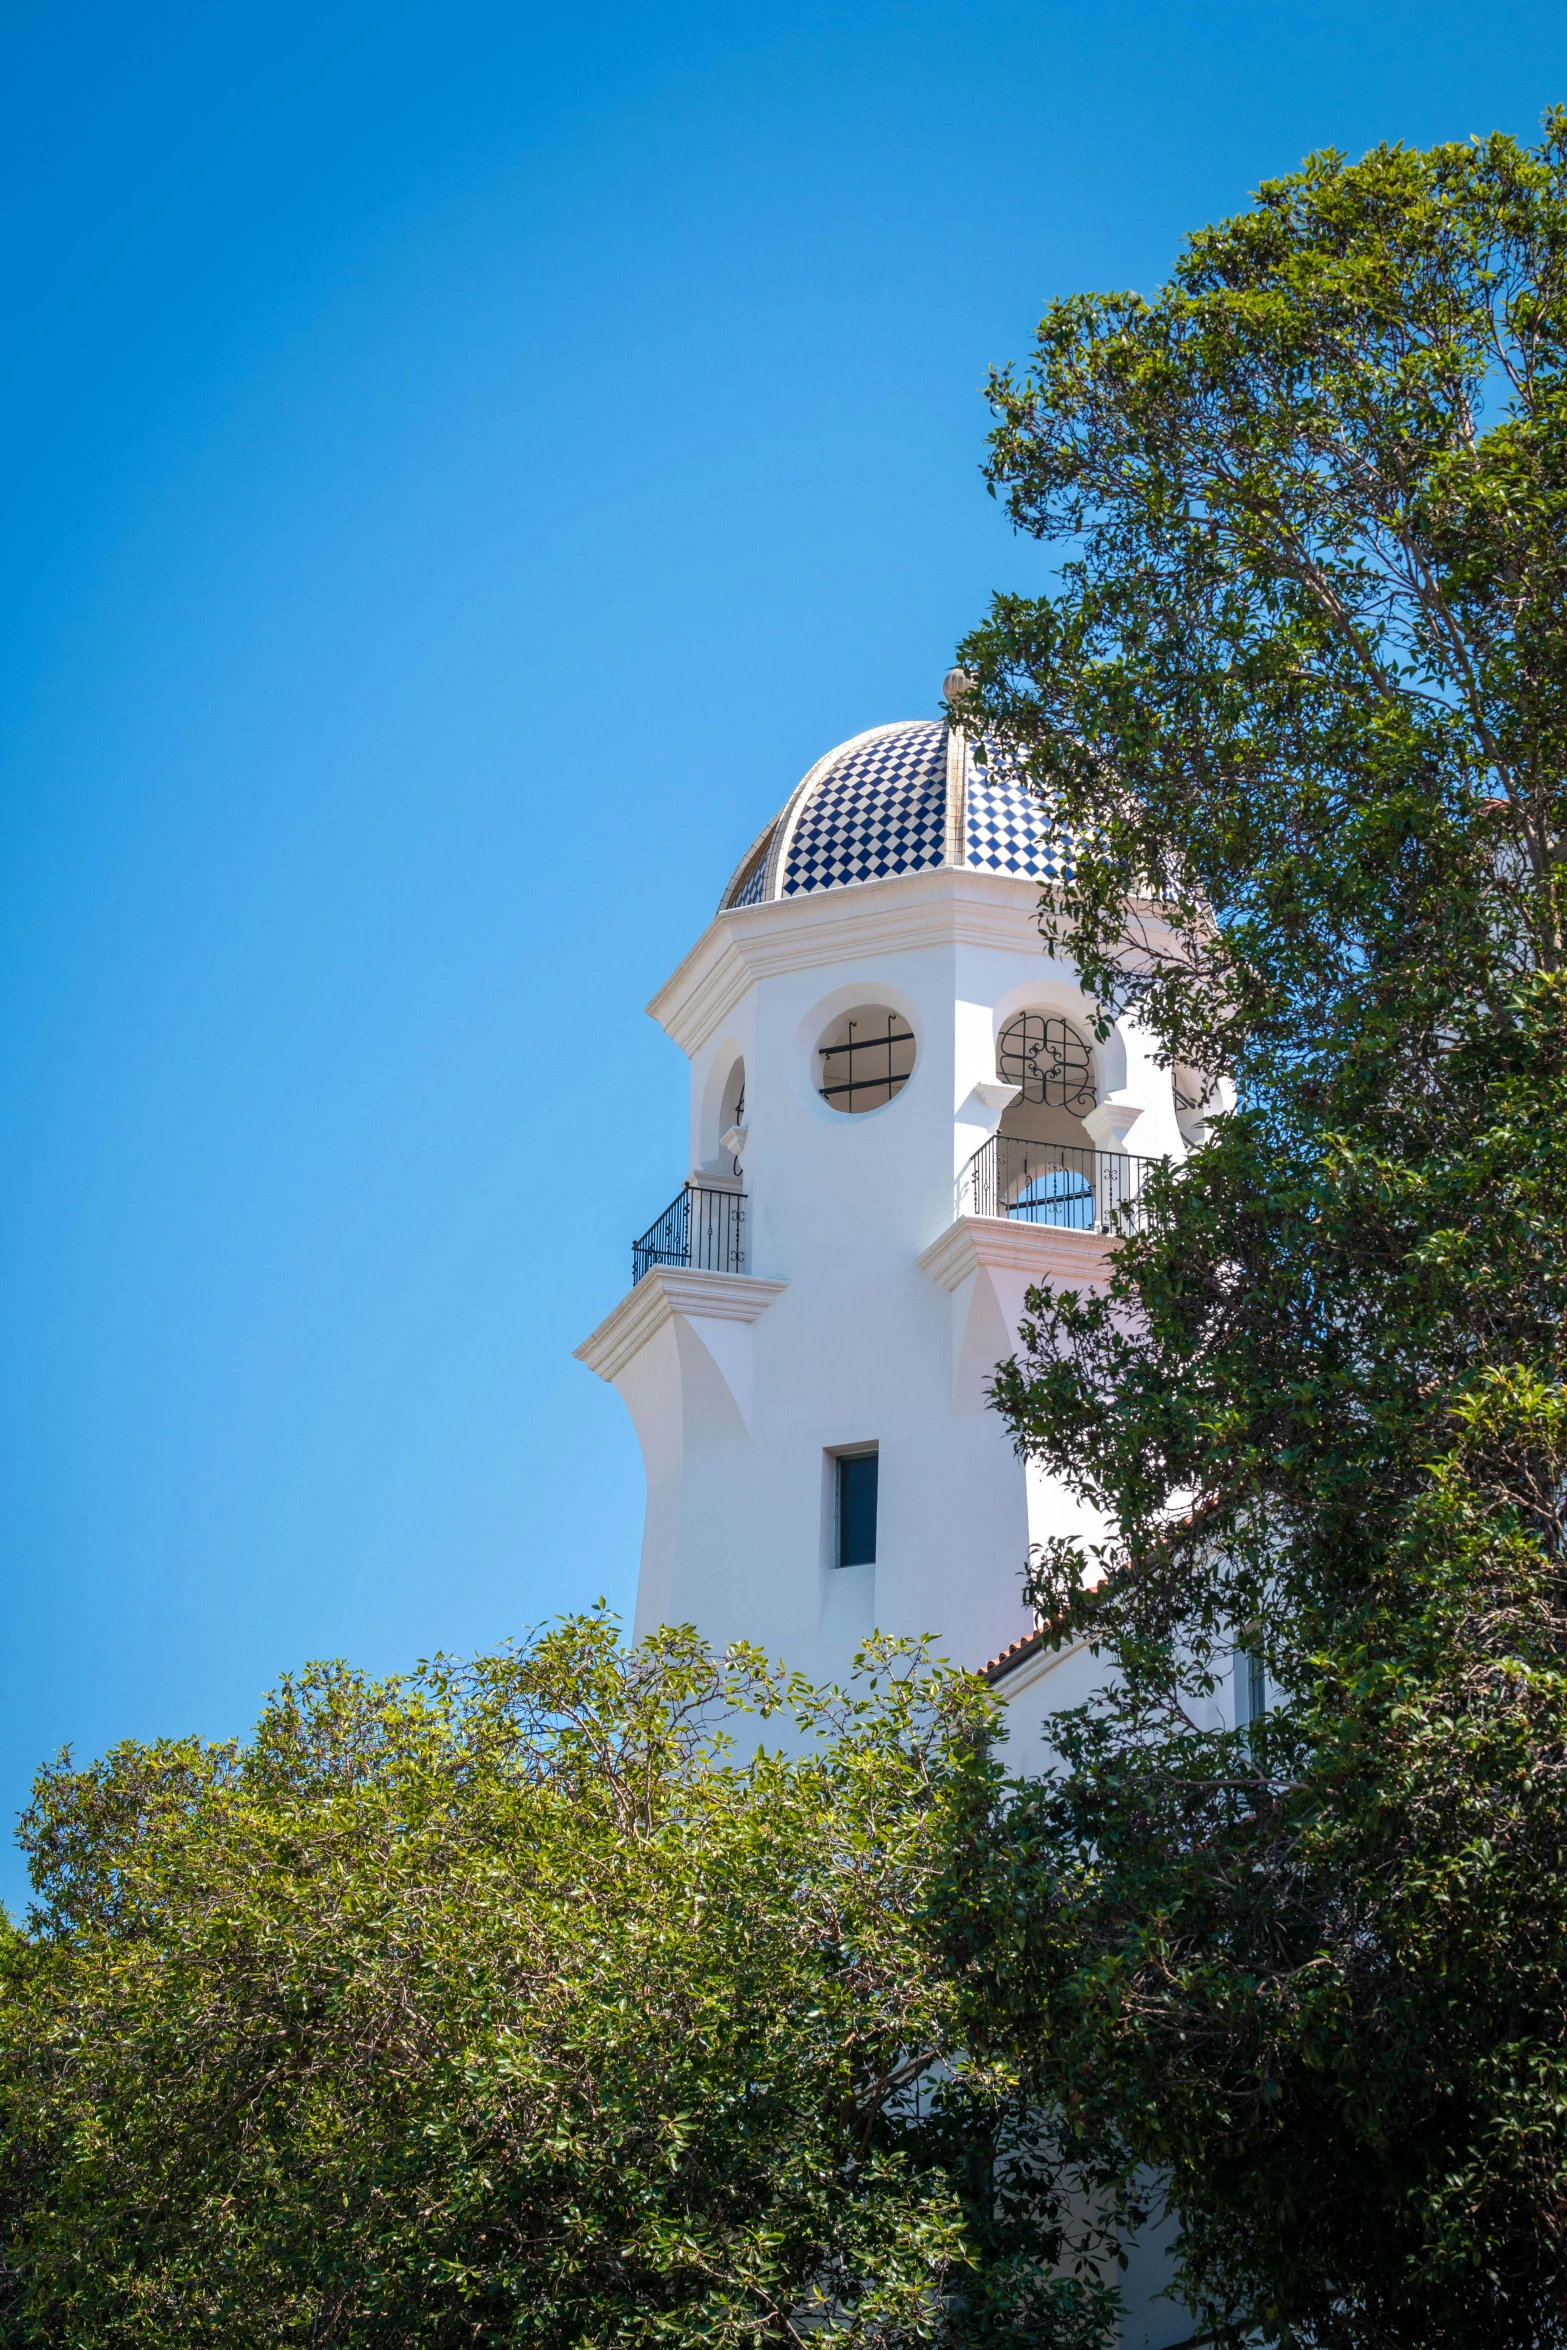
[880, 1065]
[1047, 1058]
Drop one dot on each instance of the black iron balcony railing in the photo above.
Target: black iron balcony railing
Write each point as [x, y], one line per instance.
[1053, 1183]
[699, 1227]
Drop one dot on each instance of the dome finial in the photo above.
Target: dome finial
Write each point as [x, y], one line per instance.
[956, 685]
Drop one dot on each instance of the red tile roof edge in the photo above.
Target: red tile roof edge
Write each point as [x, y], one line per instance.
[1019, 1653]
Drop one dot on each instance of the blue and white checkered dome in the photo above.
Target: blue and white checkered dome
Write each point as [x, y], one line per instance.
[879, 805]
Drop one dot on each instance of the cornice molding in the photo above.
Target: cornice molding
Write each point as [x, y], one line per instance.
[662, 1293]
[1027, 1662]
[1046, 1251]
[944, 907]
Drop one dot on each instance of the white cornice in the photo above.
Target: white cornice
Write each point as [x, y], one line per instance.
[1047, 1251]
[1027, 1663]
[944, 907]
[661, 1294]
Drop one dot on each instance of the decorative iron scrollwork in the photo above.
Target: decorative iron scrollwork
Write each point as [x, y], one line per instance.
[1049, 1060]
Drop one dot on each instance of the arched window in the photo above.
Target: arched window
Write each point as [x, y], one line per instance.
[1194, 1098]
[1044, 1054]
[731, 1119]
[1063, 1196]
[866, 1059]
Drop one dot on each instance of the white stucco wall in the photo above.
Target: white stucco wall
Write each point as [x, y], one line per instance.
[870, 1308]
[863, 1343]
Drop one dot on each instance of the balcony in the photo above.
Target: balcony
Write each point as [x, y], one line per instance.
[1054, 1183]
[702, 1227]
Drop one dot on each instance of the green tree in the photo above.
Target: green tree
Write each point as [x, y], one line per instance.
[1298, 700]
[501, 2003]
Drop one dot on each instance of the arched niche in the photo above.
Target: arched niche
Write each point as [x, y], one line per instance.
[1050, 1054]
[871, 1000]
[1197, 1097]
[723, 1108]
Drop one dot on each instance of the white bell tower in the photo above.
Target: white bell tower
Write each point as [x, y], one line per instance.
[900, 1119]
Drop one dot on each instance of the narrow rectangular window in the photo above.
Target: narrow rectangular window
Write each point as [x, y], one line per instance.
[857, 1509]
[1256, 1686]
[1251, 1682]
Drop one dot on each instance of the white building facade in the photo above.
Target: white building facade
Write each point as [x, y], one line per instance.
[900, 1119]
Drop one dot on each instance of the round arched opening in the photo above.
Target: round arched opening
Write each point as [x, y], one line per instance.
[731, 1120]
[1195, 1097]
[865, 1059]
[1049, 1060]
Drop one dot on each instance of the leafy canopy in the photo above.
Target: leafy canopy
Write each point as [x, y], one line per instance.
[503, 2004]
[1297, 700]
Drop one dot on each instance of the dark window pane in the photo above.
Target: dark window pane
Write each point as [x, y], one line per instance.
[1256, 1685]
[857, 1510]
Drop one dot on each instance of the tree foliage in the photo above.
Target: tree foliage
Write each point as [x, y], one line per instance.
[1297, 701]
[503, 2004]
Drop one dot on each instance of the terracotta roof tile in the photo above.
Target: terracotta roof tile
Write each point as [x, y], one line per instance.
[1019, 1652]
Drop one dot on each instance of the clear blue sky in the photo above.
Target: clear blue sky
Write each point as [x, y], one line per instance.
[464, 462]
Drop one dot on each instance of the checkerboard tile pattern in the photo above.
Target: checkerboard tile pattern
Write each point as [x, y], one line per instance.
[748, 890]
[1002, 824]
[881, 808]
